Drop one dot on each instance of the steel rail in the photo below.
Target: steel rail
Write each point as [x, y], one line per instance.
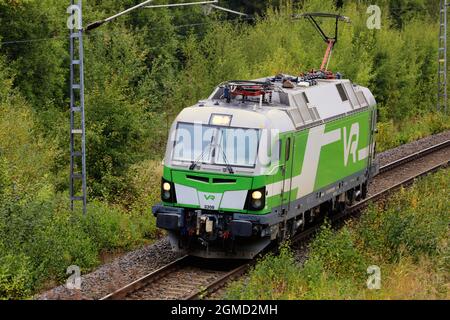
[417, 155]
[222, 281]
[147, 279]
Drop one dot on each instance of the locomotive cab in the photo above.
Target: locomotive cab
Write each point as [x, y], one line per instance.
[213, 181]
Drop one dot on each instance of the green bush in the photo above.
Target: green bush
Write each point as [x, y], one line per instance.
[274, 277]
[414, 223]
[110, 228]
[16, 279]
[50, 238]
[39, 236]
[391, 135]
[337, 253]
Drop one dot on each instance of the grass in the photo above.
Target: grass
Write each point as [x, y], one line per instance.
[391, 135]
[407, 238]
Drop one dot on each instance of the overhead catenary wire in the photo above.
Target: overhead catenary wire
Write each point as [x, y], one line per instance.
[144, 4]
[26, 41]
[32, 40]
[206, 3]
[91, 35]
[172, 5]
[243, 17]
[97, 24]
[212, 22]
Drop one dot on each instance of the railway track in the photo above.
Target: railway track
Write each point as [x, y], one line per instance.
[417, 155]
[183, 279]
[188, 278]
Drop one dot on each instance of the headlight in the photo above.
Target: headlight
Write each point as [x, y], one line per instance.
[257, 195]
[167, 191]
[257, 204]
[166, 186]
[256, 199]
[166, 195]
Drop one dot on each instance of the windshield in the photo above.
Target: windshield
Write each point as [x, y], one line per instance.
[216, 145]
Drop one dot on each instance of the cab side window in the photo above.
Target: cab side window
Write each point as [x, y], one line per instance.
[288, 149]
[280, 144]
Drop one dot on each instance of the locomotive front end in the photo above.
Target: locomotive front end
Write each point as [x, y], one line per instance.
[213, 196]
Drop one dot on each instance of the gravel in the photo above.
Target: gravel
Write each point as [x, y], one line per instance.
[136, 264]
[407, 171]
[115, 275]
[408, 149]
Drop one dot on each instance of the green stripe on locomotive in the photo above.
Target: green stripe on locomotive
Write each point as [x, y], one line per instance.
[319, 157]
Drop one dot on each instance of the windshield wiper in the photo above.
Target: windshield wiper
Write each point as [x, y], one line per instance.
[200, 158]
[227, 164]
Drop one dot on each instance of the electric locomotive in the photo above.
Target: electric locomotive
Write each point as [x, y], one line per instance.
[259, 160]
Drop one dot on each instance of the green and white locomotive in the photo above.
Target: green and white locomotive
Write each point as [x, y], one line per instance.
[259, 160]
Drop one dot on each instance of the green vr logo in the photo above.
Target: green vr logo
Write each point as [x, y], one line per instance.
[210, 197]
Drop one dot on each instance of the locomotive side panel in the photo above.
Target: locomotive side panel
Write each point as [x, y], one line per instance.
[349, 154]
[323, 156]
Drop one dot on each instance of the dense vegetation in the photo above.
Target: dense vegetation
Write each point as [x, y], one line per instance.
[140, 72]
[407, 239]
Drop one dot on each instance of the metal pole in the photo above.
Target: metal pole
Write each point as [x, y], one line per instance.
[77, 125]
[442, 60]
[97, 24]
[228, 10]
[446, 61]
[128, 10]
